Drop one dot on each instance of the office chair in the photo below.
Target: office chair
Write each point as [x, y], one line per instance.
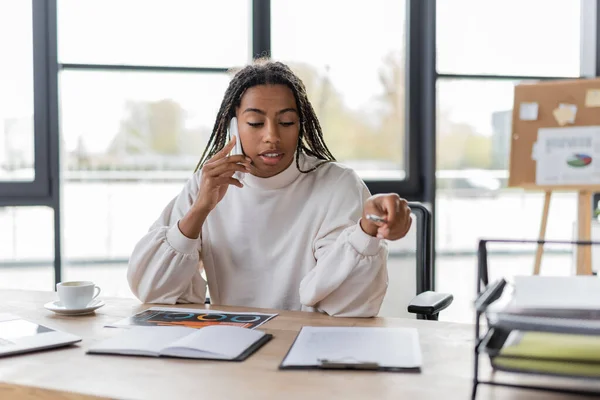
[427, 304]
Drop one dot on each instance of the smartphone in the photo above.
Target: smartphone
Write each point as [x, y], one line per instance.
[237, 149]
[233, 131]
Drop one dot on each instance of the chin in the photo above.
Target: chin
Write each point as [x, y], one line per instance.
[267, 171]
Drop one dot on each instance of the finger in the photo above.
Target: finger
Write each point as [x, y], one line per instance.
[227, 168]
[390, 205]
[224, 151]
[403, 227]
[230, 159]
[383, 232]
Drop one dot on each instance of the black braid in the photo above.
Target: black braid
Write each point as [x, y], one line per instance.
[265, 72]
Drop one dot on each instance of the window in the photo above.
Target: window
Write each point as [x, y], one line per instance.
[130, 142]
[185, 33]
[137, 120]
[27, 248]
[16, 92]
[474, 123]
[509, 41]
[352, 62]
[509, 37]
[472, 200]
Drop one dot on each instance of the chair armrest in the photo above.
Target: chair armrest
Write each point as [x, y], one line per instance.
[429, 303]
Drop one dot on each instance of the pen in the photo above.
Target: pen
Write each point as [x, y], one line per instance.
[376, 218]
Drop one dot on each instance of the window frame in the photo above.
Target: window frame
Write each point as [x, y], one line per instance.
[589, 67]
[420, 121]
[37, 191]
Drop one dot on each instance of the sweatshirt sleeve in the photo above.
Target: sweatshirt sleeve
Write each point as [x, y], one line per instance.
[164, 266]
[350, 277]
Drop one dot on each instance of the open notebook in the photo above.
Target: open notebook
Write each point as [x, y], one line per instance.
[218, 342]
[386, 349]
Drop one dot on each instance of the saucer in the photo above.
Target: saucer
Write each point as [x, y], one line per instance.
[58, 308]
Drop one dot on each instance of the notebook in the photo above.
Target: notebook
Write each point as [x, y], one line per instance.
[217, 342]
[386, 349]
[18, 335]
[550, 353]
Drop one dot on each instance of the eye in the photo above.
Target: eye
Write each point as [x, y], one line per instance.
[287, 123]
[255, 124]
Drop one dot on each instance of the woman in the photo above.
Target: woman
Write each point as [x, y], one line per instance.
[292, 234]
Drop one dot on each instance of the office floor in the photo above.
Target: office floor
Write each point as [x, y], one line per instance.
[455, 274]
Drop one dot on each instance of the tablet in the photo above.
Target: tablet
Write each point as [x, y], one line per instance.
[18, 335]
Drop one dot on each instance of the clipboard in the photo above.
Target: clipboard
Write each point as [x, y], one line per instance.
[350, 361]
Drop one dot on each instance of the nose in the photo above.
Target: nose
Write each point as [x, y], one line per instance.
[272, 133]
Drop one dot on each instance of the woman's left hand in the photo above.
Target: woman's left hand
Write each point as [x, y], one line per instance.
[395, 212]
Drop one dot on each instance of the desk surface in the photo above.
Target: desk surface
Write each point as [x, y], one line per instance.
[69, 373]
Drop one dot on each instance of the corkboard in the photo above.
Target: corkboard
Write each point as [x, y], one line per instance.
[548, 95]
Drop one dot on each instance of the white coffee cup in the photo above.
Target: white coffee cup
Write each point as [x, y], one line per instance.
[77, 294]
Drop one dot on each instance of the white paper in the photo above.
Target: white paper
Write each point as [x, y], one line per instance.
[568, 156]
[389, 347]
[528, 111]
[557, 292]
[147, 340]
[573, 109]
[227, 341]
[535, 151]
[592, 98]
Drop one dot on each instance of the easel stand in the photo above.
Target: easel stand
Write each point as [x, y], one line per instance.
[584, 232]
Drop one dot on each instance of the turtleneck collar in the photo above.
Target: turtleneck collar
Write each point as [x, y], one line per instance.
[278, 181]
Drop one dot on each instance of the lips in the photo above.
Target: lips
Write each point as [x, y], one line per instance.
[271, 157]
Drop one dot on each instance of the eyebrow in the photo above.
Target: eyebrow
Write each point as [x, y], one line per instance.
[256, 110]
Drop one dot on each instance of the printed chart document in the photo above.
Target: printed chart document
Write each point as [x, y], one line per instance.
[391, 349]
[567, 156]
[217, 342]
[192, 318]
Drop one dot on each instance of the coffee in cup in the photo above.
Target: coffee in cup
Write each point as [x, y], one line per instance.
[77, 294]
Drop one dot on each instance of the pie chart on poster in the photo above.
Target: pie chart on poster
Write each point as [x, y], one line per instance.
[579, 160]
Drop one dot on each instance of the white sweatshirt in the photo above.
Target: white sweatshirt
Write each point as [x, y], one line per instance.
[292, 242]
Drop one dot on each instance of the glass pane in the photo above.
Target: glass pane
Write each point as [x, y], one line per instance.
[27, 256]
[353, 68]
[137, 121]
[509, 37]
[16, 92]
[154, 32]
[130, 142]
[473, 142]
[402, 275]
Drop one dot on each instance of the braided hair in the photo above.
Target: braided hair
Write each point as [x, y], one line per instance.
[265, 72]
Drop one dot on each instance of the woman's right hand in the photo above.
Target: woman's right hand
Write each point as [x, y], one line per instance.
[217, 175]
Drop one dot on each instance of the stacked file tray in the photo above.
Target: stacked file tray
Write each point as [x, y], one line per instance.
[541, 333]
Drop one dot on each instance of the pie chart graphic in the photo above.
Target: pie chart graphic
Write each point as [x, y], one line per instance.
[579, 160]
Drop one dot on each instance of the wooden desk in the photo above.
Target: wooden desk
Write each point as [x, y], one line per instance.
[69, 373]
